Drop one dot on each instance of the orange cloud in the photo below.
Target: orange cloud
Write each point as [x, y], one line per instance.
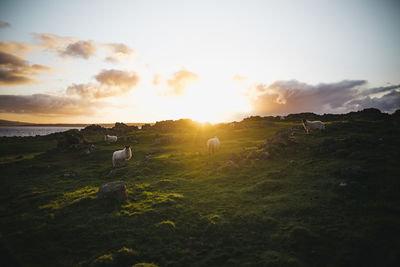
[156, 79]
[14, 70]
[117, 78]
[238, 78]
[53, 42]
[118, 52]
[43, 104]
[111, 83]
[15, 47]
[179, 81]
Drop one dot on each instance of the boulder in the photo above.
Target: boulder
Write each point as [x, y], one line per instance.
[115, 191]
[121, 128]
[73, 137]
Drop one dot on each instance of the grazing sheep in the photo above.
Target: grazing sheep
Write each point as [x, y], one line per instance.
[213, 145]
[120, 155]
[312, 125]
[110, 138]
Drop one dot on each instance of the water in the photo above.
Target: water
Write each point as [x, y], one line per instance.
[32, 130]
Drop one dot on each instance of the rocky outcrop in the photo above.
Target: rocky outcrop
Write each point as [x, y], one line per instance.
[114, 191]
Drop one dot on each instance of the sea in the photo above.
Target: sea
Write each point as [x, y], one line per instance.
[10, 131]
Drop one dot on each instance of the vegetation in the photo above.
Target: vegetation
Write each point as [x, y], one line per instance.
[323, 199]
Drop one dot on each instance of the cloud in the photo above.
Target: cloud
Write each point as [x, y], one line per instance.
[73, 47]
[179, 81]
[14, 70]
[83, 49]
[46, 104]
[15, 47]
[389, 102]
[118, 52]
[53, 42]
[66, 46]
[120, 78]
[111, 83]
[4, 24]
[156, 79]
[283, 97]
[238, 78]
[378, 90]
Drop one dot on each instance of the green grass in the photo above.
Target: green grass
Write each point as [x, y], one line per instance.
[185, 208]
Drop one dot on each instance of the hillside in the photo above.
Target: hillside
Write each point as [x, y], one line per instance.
[14, 123]
[18, 123]
[271, 196]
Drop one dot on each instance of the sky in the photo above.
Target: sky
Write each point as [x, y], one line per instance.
[94, 61]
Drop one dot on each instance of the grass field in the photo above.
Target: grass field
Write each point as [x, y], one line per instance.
[186, 208]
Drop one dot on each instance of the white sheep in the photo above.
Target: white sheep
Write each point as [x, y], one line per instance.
[213, 145]
[110, 138]
[120, 155]
[312, 125]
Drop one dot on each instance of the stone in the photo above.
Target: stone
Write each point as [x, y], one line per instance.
[252, 155]
[231, 164]
[73, 137]
[264, 155]
[115, 191]
[85, 152]
[234, 157]
[69, 174]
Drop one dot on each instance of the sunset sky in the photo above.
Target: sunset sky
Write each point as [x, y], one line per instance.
[144, 61]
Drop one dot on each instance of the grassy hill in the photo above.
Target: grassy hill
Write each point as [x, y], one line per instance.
[239, 207]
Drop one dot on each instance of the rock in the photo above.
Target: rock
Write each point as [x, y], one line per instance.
[296, 139]
[69, 174]
[73, 136]
[194, 243]
[85, 152]
[231, 164]
[121, 128]
[94, 129]
[264, 155]
[263, 145]
[343, 184]
[114, 191]
[252, 155]
[69, 139]
[235, 157]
